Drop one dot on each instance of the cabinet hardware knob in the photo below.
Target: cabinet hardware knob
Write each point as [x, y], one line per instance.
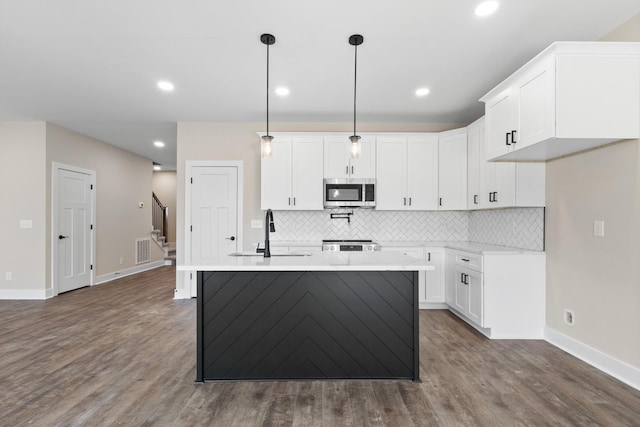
[60, 237]
[409, 201]
[289, 201]
[346, 170]
[351, 170]
[440, 201]
[404, 202]
[465, 260]
[513, 137]
[507, 138]
[232, 238]
[475, 199]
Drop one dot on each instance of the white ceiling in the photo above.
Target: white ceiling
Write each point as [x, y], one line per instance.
[92, 66]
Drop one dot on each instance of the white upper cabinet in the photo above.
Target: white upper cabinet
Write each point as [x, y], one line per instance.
[291, 178]
[571, 97]
[452, 147]
[500, 184]
[407, 172]
[338, 162]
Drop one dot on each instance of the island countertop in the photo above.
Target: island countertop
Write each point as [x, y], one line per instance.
[319, 261]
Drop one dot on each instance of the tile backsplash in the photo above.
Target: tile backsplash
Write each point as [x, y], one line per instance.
[517, 227]
[521, 228]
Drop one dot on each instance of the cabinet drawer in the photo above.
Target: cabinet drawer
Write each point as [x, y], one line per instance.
[468, 260]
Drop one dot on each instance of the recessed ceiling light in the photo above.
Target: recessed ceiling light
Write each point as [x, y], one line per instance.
[157, 168]
[423, 91]
[282, 91]
[158, 144]
[165, 85]
[486, 8]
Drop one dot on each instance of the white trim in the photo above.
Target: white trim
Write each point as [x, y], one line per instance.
[432, 306]
[616, 368]
[24, 294]
[189, 164]
[128, 272]
[55, 167]
[182, 294]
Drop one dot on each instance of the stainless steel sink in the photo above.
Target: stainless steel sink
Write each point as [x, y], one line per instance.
[273, 255]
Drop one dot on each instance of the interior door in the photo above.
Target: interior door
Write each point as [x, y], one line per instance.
[214, 209]
[74, 229]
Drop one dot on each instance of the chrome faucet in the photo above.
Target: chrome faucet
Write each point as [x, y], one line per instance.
[268, 226]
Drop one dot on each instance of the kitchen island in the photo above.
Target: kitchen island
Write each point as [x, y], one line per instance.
[322, 316]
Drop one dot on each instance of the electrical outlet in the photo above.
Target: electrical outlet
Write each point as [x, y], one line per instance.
[8, 275]
[121, 260]
[256, 223]
[569, 317]
[598, 228]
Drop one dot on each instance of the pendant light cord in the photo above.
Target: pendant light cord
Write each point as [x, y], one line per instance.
[267, 90]
[355, 86]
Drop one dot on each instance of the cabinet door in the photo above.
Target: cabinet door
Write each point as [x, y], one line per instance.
[504, 187]
[422, 173]
[535, 95]
[449, 278]
[475, 139]
[475, 297]
[276, 177]
[452, 172]
[461, 290]
[391, 174]
[307, 172]
[336, 157]
[364, 166]
[499, 122]
[434, 286]
[418, 253]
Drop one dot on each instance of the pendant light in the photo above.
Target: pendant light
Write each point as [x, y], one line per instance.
[267, 147]
[355, 41]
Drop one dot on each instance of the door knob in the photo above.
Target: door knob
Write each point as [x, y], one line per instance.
[232, 238]
[60, 237]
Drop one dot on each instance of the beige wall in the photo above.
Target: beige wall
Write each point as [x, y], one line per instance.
[239, 141]
[122, 180]
[598, 278]
[164, 185]
[22, 195]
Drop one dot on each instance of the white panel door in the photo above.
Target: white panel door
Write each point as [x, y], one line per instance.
[363, 166]
[336, 157]
[73, 216]
[214, 210]
[499, 121]
[434, 290]
[422, 173]
[453, 172]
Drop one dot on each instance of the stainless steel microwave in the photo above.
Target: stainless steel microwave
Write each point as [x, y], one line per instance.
[344, 192]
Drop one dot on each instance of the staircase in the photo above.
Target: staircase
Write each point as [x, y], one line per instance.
[160, 214]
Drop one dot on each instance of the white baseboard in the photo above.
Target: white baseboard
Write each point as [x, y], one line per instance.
[432, 306]
[127, 272]
[616, 368]
[13, 294]
[182, 294]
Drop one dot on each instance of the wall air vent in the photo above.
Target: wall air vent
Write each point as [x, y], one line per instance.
[143, 250]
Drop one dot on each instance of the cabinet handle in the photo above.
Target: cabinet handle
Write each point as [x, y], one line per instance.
[462, 278]
[428, 256]
[351, 170]
[466, 279]
[490, 197]
[513, 137]
[346, 170]
[507, 138]
[404, 201]
[475, 199]
[464, 259]
[440, 201]
[289, 201]
[409, 201]
[294, 201]
[495, 196]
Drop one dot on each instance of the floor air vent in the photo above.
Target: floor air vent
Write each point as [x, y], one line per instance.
[142, 250]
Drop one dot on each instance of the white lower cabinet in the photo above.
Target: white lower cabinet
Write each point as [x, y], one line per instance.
[502, 294]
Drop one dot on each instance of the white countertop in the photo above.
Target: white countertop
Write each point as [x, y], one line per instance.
[319, 261]
[473, 247]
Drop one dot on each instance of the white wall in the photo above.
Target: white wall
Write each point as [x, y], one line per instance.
[597, 277]
[22, 195]
[122, 180]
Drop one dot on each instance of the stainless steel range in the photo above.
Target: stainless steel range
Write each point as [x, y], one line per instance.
[350, 245]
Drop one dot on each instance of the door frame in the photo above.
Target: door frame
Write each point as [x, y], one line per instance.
[55, 168]
[189, 278]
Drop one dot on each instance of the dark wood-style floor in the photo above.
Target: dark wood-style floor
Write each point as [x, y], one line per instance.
[123, 353]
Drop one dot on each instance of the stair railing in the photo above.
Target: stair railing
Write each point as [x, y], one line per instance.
[160, 215]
